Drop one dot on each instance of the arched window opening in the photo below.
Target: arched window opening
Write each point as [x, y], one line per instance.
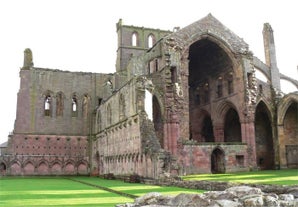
[59, 104]
[151, 40]
[263, 137]
[47, 105]
[122, 107]
[291, 136]
[74, 106]
[232, 127]
[134, 39]
[207, 130]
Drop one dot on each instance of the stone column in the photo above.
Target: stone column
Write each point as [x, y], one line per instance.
[218, 130]
[282, 149]
[248, 136]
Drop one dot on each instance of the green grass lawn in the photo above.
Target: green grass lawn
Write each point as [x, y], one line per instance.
[277, 177]
[136, 188]
[54, 192]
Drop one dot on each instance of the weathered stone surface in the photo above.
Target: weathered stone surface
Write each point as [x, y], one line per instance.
[240, 196]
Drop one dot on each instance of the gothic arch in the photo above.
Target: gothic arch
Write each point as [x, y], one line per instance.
[284, 105]
[223, 108]
[222, 44]
[43, 167]
[29, 167]
[264, 137]
[288, 130]
[267, 108]
[232, 126]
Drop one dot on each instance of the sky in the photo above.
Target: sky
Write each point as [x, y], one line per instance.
[80, 35]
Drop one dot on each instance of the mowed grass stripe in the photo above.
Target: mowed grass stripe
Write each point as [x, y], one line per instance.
[54, 192]
[137, 189]
[273, 177]
[105, 188]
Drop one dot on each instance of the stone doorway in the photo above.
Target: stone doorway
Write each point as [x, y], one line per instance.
[218, 161]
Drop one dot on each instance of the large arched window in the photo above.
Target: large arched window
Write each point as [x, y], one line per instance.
[134, 39]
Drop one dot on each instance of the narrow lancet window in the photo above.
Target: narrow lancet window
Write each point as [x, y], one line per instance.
[47, 106]
[134, 39]
[74, 106]
[150, 40]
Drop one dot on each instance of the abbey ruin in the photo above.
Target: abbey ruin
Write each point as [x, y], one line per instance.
[184, 101]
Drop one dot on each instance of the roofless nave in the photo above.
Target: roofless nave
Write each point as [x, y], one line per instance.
[183, 102]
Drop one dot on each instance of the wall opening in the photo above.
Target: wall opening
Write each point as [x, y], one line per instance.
[218, 161]
[47, 105]
[207, 130]
[232, 127]
[74, 106]
[157, 120]
[291, 135]
[263, 136]
[208, 65]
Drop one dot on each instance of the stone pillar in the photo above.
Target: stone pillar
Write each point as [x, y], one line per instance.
[282, 149]
[270, 55]
[248, 136]
[172, 134]
[218, 130]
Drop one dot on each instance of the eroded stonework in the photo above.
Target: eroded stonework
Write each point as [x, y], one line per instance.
[181, 102]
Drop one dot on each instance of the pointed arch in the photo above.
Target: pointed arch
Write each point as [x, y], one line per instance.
[232, 126]
[283, 105]
[74, 105]
[47, 103]
[135, 39]
[151, 40]
[263, 137]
